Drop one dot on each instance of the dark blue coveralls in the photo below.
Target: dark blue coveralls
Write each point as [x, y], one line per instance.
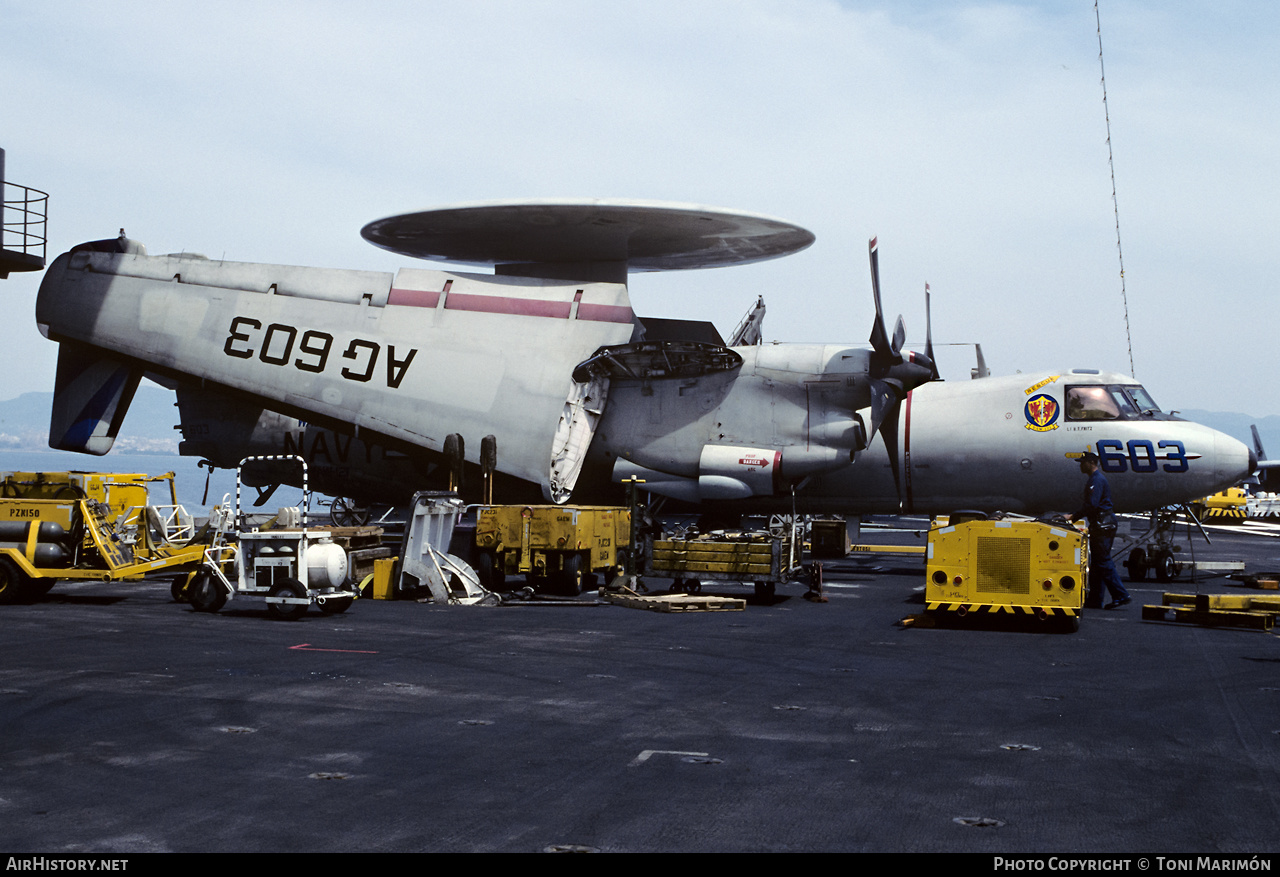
[1102, 532]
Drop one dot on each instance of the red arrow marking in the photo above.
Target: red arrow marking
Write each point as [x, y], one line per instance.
[306, 647]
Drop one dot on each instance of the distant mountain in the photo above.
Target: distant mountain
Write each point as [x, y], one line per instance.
[1237, 426]
[148, 427]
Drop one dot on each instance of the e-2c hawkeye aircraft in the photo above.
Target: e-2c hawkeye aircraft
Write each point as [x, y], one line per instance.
[547, 356]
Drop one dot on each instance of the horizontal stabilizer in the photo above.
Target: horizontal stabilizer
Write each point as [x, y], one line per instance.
[90, 397]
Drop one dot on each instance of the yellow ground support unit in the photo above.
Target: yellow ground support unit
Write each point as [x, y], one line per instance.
[1020, 567]
[763, 559]
[1227, 505]
[695, 557]
[559, 545]
[125, 494]
[1248, 611]
[83, 525]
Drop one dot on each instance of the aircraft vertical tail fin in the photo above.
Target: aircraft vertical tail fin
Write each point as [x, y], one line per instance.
[91, 395]
[1266, 469]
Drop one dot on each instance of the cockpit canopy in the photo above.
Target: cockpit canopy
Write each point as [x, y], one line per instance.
[1112, 402]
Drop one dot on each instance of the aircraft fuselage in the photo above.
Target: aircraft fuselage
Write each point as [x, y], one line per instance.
[402, 361]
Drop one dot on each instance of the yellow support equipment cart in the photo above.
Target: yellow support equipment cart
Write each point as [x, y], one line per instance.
[1017, 567]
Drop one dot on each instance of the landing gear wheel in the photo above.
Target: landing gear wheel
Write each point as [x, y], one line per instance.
[14, 583]
[346, 512]
[335, 605]
[1137, 565]
[779, 525]
[489, 568]
[570, 579]
[205, 593]
[1166, 570]
[288, 611]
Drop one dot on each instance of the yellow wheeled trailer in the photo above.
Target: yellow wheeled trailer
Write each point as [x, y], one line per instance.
[89, 526]
[763, 559]
[1007, 567]
[560, 546]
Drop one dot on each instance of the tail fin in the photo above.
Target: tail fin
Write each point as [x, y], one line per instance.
[90, 397]
[1266, 471]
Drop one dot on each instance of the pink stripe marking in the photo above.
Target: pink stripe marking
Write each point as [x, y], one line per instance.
[414, 298]
[493, 304]
[605, 313]
[497, 304]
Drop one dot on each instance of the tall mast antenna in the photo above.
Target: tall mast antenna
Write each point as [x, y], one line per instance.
[1124, 296]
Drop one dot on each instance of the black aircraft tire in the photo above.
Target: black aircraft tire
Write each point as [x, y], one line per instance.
[1137, 565]
[288, 611]
[205, 593]
[570, 581]
[489, 568]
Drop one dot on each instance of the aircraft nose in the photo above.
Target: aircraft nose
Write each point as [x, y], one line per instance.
[1235, 460]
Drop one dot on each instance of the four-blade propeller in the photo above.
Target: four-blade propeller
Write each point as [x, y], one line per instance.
[892, 375]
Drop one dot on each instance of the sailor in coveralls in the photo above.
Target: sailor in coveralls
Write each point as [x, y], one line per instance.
[1098, 510]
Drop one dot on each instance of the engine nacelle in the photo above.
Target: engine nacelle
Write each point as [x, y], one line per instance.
[849, 433]
[738, 472]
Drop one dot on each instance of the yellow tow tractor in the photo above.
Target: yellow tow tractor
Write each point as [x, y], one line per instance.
[1227, 505]
[1013, 567]
[90, 526]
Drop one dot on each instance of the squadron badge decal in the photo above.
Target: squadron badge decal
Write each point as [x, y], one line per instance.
[1042, 413]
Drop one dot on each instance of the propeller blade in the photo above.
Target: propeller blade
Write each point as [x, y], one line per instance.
[928, 334]
[879, 337]
[886, 398]
[889, 432]
[899, 337]
[883, 399]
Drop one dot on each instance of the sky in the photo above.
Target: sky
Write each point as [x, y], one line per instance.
[969, 137]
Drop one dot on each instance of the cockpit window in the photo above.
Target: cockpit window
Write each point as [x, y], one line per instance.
[1143, 400]
[1118, 402]
[1122, 402]
[1091, 403]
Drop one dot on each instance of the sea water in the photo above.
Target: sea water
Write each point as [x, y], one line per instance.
[198, 489]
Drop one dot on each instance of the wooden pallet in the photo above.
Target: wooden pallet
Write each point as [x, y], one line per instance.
[1217, 610]
[674, 602]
